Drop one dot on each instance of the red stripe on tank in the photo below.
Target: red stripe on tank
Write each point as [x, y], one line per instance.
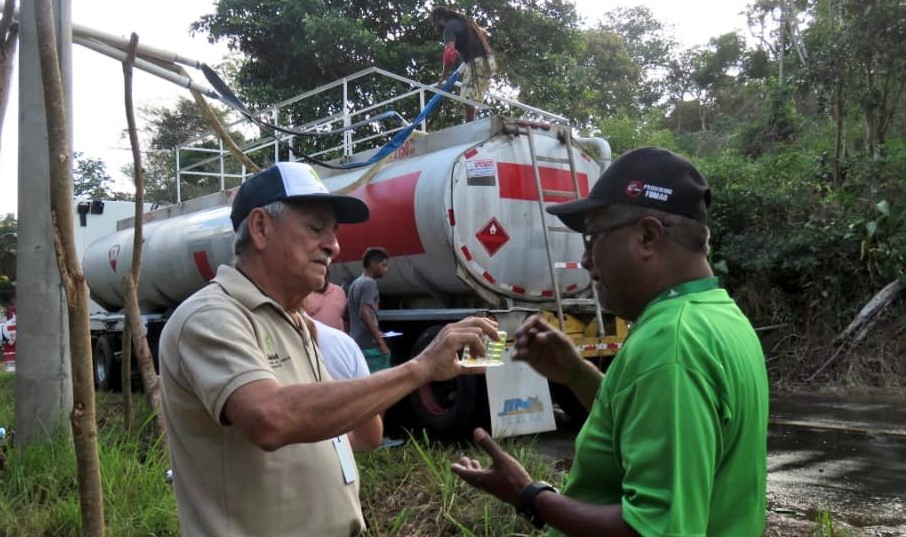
[451, 217]
[467, 253]
[470, 153]
[518, 290]
[203, 265]
[517, 182]
[488, 277]
[392, 223]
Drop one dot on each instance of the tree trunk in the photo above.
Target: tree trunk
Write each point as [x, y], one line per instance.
[781, 53]
[868, 315]
[838, 130]
[150, 380]
[860, 326]
[82, 418]
[838, 65]
[870, 108]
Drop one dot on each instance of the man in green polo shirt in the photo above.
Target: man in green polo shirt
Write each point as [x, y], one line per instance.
[676, 438]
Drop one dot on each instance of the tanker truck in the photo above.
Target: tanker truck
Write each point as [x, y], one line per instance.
[460, 211]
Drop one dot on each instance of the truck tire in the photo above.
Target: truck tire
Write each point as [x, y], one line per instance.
[449, 409]
[106, 366]
[568, 402]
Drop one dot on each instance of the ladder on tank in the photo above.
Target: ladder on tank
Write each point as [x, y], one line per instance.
[553, 264]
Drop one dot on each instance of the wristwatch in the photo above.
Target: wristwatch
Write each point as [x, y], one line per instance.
[526, 506]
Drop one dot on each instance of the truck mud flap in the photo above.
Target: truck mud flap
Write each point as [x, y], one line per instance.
[568, 402]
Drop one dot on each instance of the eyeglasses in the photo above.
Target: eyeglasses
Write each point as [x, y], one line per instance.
[591, 237]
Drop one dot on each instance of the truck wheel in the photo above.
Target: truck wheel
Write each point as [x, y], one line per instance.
[106, 368]
[449, 409]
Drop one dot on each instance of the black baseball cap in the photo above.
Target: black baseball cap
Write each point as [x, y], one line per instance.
[650, 177]
[288, 181]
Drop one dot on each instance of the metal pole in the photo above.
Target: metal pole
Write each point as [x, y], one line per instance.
[276, 135]
[222, 170]
[347, 135]
[178, 178]
[43, 385]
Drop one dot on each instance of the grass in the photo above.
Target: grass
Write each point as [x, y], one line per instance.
[408, 491]
[411, 491]
[38, 486]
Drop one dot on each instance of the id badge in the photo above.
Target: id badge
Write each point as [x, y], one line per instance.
[347, 460]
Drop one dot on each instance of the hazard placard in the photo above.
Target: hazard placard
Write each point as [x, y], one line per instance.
[492, 236]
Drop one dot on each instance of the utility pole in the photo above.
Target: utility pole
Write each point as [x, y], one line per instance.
[43, 385]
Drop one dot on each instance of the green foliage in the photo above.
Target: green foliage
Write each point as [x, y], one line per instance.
[608, 69]
[776, 122]
[650, 47]
[807, 171]
[796, 250]
[169, 128]
[625, 130]
[91, 181]
[412, 491]
[290, 46]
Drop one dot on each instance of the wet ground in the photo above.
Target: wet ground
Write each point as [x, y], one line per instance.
[843, 455]
[847, 456]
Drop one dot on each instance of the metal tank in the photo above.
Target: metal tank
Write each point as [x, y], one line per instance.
[179, 255]
[457, 210]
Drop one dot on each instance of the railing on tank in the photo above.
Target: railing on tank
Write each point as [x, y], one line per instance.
[207, 161]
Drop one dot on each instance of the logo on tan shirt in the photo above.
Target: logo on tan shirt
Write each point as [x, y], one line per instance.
[270, 350]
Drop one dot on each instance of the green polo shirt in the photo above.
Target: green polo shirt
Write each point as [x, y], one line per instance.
[678, 431]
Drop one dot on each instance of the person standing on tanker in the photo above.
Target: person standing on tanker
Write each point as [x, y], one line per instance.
[256, 424]
[363, 304]
[676, 439]
[465, 40]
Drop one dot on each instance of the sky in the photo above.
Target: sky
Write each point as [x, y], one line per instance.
[98, 95]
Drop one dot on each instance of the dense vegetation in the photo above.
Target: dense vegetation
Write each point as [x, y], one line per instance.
[801, 129]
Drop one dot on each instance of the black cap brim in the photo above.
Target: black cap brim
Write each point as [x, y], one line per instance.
[572, 213]
[346, 209]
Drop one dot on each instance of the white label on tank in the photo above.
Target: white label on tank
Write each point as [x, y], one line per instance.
[481, 172]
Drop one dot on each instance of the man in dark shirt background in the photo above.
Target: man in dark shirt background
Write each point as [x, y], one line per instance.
[466, 40]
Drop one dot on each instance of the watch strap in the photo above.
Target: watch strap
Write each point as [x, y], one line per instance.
[526, 506]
